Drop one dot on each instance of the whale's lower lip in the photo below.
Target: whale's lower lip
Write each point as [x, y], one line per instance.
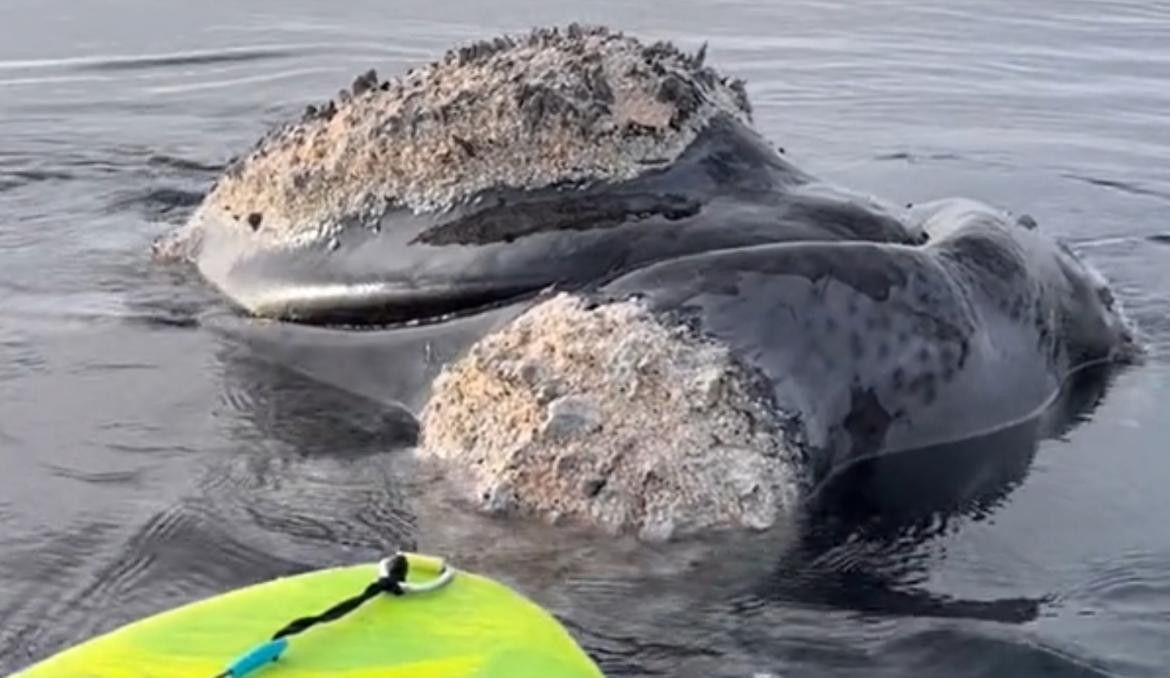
[379, 304]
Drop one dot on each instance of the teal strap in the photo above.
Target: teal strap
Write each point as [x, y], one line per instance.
[255, 658]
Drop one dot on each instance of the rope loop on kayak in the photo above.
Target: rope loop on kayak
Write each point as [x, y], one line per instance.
[391, 579]
[391, 575]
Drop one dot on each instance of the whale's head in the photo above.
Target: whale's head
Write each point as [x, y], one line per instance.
[1094, 319]
[504, 167]
[1077, 308]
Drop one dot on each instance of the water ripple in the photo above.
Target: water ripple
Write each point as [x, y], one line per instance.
[990, 653]
[1058, 108]
[1130, 187]
[142, 61]
[243, 80]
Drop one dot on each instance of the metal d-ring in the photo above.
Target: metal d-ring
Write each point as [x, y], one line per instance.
[446, 574]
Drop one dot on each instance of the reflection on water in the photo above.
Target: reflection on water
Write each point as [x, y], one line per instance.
[156, 448]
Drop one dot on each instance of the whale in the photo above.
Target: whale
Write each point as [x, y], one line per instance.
[609, 299]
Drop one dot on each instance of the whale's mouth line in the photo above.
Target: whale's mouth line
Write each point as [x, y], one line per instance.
[378, 306]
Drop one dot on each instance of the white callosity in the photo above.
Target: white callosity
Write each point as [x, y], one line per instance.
[610, 417]
[552, 108]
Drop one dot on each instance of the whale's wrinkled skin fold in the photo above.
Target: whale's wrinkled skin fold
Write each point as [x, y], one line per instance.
[436, 211]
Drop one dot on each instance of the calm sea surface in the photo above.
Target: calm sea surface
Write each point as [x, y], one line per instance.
[146, 460]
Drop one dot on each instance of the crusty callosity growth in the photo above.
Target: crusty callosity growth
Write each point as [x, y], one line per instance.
[607, 416]
[554, 107]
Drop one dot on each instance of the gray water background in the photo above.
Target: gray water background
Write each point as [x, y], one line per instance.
[146, 461]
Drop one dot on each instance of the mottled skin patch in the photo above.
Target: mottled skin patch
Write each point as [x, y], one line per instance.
[876, 346]
[867, 421]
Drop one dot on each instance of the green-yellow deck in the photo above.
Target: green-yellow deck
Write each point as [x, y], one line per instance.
[471, 627]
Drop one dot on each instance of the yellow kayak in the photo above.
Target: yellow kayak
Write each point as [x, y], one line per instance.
[436, 622]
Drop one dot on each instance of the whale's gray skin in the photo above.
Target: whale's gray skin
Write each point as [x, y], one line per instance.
[875, 347]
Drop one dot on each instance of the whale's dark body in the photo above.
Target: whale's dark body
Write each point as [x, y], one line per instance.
[869, 345]
[877, 328]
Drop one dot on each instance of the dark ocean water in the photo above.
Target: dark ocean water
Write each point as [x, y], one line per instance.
[146, 460]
